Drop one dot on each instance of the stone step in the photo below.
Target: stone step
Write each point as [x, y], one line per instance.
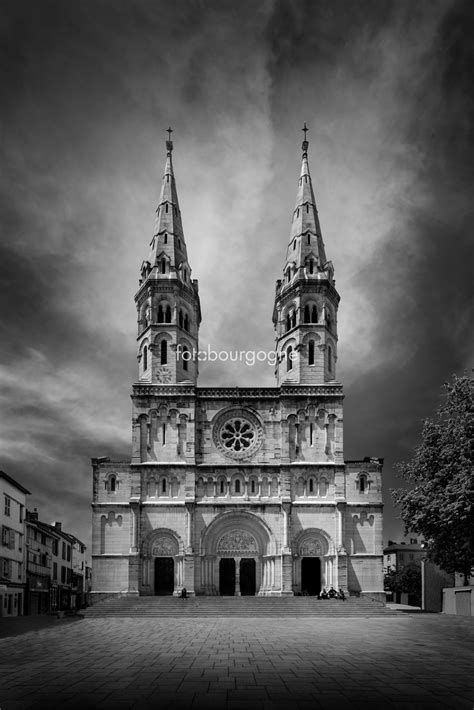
[173, 607]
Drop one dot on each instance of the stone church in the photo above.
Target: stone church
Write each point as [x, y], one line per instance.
[237, 490]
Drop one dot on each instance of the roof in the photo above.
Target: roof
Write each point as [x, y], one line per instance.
[400, 547]
[14, 483]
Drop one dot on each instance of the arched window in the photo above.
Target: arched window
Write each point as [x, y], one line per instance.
[293, 319]
[163, 485]
[311, 434]
[168, 314]
[311, 485]
[311, 266]
[163, 434]
[306, 314]
[112, 484]
[185, 358]
[145, 358]
[311, 352]
[362, 484]
[163, 266]
[164, 352]
[323, 487]
[237, 486]
[314, 315]
[289, 361]
[180, 319]
[329, 358]
[252, 486]
[186, 322]
[160, 314]
[221, 486]
[288, 322]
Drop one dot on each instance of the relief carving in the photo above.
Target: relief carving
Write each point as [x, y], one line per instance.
[237, 541]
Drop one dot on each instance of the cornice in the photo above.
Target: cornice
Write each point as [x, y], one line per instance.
[327, 389]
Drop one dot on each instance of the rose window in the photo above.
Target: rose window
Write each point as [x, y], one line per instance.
[237, 433]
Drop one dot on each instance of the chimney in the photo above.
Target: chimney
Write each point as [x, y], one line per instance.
[32, 516]
[58, 526]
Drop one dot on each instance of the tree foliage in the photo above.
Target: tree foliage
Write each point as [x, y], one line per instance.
[440, 505]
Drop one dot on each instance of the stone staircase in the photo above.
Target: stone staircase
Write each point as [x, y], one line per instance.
[258, 607]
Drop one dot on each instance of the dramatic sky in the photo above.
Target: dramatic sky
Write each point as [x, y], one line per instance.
[87, 90]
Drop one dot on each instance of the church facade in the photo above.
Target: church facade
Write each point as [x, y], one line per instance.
[229, 490]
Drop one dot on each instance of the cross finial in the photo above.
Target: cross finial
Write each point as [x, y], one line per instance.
[305, 130]
[169, 144]
[304, 147]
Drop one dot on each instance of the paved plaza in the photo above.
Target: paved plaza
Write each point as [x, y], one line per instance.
[406, 661]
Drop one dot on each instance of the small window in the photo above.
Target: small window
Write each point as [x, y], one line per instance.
[222, 486]
[166, 207]
[329, 358]
[289, 360]
[307, 207]
[237, 486]
[112, 484]
[145, 358]
[160, 314]
[311, 434]
[186, 322]
[288, 322]
[293, 319]
[294, 245]
[311, 485]
[163, 485]
[7, 506]
[68, 553]
[311, 354]
[306, 314]
[165, 239]
[164, 352]
[185, 358]
[314, 315]
[168, 314]
[309, 238]
[252, 486]
[362, 484]
[311, 266]
[163, 434]
[163, 266]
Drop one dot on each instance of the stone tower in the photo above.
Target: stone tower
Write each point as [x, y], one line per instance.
[306, 300]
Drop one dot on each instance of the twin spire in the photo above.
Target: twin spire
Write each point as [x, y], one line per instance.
[306, 241]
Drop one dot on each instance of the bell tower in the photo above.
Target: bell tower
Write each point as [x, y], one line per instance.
[306, 300]
[167, 300]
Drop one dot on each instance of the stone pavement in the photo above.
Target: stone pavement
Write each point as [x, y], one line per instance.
[407, 661]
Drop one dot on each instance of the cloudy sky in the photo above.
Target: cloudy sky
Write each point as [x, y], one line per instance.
[87, 90]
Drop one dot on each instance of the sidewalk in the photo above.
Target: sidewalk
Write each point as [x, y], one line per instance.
[18, 625]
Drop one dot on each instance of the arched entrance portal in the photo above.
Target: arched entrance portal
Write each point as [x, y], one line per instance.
[164, 575]
[311, 575]
[238, 556]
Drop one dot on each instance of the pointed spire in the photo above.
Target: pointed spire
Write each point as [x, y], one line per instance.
[306, 239]
[168, 237]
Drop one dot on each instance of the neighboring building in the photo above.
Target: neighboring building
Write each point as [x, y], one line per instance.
[400, 554]
[12, 565]
[40, 542]
[236, 490]
[78, 581]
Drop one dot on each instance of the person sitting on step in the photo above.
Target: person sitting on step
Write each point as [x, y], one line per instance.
[184, 593]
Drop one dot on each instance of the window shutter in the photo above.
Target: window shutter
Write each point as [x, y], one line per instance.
[12, 540]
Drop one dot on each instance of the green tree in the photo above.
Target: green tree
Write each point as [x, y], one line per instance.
[440, 505]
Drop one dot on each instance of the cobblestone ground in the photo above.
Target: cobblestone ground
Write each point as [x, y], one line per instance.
[411, 661]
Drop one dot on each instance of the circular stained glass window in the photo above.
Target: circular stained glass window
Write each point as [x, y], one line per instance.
[238, 434]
